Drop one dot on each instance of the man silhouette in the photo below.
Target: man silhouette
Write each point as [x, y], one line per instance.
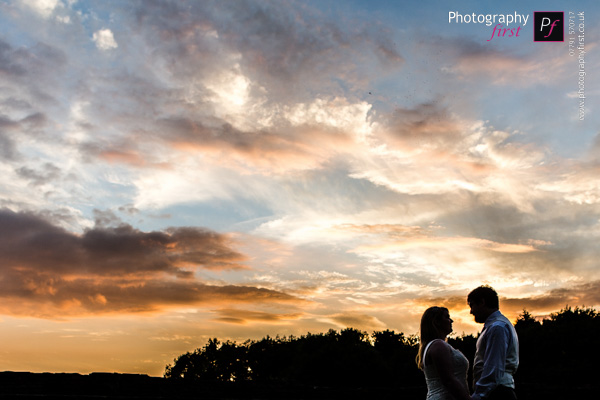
[497, 352]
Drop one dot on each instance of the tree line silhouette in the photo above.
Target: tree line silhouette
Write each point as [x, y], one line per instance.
[559, 356]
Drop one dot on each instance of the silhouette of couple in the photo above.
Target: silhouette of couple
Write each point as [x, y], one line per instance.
[496, 356]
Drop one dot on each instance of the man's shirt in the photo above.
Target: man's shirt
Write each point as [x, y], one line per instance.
[496, 357]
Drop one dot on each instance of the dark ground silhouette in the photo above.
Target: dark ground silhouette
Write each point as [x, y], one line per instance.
[559, 360]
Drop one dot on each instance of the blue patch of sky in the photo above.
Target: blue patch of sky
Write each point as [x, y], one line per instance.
[544, 112]
[220, 216]
[11, 31]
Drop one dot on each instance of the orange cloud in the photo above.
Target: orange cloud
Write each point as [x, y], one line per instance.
[388, 229]
[27, 293]
[237, 316]
[304, 145]
[586, 294]
[406, 237]
[124, 157]
[47, 271]
[425, 126]
[472, 60]
[359, 321]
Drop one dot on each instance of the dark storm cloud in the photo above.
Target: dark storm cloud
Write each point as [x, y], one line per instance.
[112, 268]
[30, 242]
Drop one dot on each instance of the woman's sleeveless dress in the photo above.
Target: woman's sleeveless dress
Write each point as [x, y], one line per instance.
[435, 389]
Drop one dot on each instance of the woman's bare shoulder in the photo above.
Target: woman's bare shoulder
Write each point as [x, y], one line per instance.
[438, 346]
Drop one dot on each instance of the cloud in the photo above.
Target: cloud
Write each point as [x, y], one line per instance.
[28, 76]
[427, 125]
[44, 8]
[217, 99]
[468, 59]
[11, 129]
[358, 321]
[288, 51]
[108, 269]
[48, 173]
[397, 238]
[267, 112]
[584, 294]
[237, 316]
[9, 63]
[8, 148]
[45, 296]
[310, 135]
[41, 60]
[229, 92]
[104, 39]
[432, 242]
[112, 250]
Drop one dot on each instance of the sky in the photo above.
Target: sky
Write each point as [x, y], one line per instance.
[174, 171]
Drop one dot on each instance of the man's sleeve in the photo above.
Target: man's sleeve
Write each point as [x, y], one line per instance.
[494, 361]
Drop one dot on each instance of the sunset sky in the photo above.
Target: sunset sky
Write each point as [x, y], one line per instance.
[173, 171]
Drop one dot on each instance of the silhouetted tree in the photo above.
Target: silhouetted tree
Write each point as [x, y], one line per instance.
[215, 362]
[559, 355]
[558, 358]
[333, 359]
[269, 360]
[529, 331]
[398, 353]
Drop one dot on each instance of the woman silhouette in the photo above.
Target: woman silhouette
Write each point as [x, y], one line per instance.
[445, 367]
